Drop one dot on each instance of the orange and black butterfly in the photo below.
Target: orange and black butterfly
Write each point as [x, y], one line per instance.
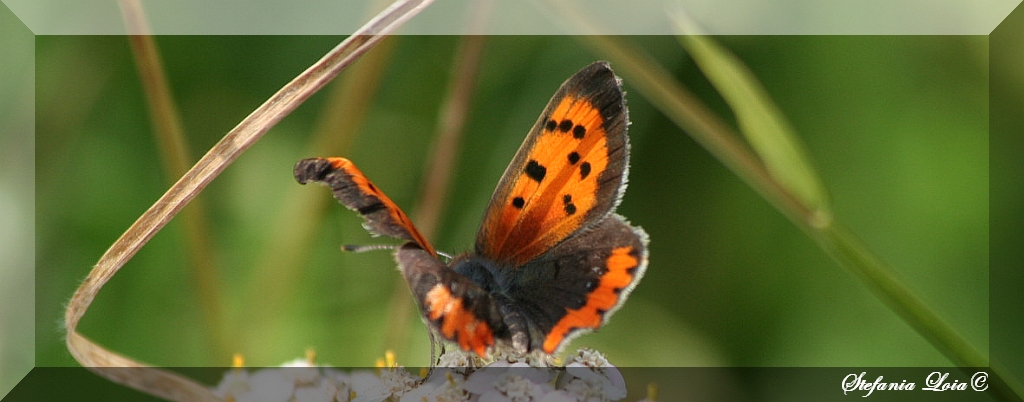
[552, 259]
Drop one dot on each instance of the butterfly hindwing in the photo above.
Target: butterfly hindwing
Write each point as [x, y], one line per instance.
[577, 285]
[568, 174]
[455, 307]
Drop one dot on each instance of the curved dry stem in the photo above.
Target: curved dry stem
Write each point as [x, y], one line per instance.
[246, 133]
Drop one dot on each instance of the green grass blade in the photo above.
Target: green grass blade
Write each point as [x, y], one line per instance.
[760, 121]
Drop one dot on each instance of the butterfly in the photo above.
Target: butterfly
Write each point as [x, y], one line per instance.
[552, 259]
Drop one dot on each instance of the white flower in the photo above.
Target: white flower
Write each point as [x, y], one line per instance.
[444, 384]
[456, 358]
[398, 380]
[558, 396]
[427, 391]
[324, 391]
[300, 372]
[234, 383]
[367, 387]
[488, 377]
[268, 385]
[340, 382]
[510, 387]
[454, 393]
[589, 377]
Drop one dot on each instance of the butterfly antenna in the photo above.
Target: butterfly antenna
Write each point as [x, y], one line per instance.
[357, 248]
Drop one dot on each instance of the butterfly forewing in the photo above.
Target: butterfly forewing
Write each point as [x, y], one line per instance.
[567, 175]
[353, 190]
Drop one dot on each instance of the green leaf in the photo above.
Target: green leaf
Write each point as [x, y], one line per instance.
[760, 121]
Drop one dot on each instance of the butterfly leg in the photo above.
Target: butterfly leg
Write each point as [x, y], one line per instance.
[517, 327]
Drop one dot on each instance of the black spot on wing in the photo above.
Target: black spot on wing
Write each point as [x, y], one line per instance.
[535, 171]
[551, 125]
[565, 125]
[579, 132]
[569, 207]
[518, 202]
[584, 170]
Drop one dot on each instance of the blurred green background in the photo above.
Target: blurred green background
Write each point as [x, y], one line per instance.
[897, 126]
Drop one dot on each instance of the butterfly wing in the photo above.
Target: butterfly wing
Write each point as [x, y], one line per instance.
[455, 307]
[577, 286]
[568, 174]
[353, 190]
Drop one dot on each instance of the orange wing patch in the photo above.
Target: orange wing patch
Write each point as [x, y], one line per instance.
[621, 266]
[458, 323]
[556, 187]
[568, 173]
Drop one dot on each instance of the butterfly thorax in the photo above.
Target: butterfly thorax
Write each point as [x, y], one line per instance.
[503, 283]
[489, 275]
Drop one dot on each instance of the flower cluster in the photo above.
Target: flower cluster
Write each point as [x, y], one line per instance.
[586, 377]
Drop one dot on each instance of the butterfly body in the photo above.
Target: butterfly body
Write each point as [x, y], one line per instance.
[552, 260]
